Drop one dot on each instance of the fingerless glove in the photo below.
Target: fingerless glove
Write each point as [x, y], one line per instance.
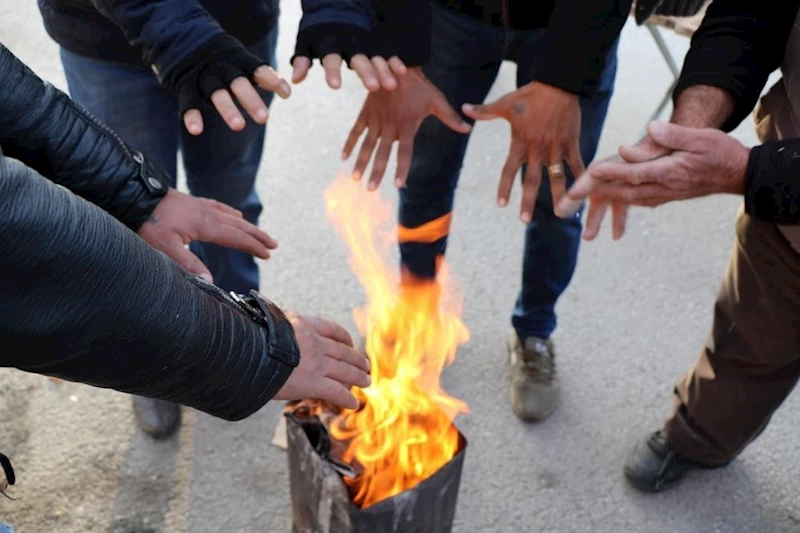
[319, 40]
[211, 67]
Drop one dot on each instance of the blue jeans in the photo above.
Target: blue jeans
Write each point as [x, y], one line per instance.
[220, 163]
[466, 58]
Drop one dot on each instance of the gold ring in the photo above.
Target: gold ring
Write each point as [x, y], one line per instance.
[555, 170]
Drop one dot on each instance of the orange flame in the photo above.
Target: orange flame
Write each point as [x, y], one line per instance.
[403, 433]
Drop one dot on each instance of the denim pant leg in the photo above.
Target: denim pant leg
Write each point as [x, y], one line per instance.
[130, 101]
[222, 164]
[465, 60]
[551, 243]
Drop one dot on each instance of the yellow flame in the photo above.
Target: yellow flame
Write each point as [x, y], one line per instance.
[403, 433]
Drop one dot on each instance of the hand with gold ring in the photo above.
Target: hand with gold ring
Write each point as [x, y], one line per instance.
[545, 132]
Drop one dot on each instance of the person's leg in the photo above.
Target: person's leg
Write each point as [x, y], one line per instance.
[549, 260]
[131, 102]
[746, 368]
[466, 56]
[222, 164]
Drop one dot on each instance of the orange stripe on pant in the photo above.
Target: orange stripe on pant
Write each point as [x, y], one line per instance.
[429, 232]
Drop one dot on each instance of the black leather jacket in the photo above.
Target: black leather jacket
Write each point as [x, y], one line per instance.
[85, 299]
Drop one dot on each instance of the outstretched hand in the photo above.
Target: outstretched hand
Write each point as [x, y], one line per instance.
[389, 116]
[673, 163]
[180, 219]
[545, 131]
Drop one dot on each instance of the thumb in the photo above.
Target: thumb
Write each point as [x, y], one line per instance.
[191, 263]
[485, 111]
[444, 112]
[643, 151]
[673, 136]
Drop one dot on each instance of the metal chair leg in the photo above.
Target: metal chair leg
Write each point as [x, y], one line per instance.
[673, 67]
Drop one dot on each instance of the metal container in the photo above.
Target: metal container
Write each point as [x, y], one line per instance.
[321, 502]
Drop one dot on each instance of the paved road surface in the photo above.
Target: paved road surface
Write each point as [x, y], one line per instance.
[630, 324]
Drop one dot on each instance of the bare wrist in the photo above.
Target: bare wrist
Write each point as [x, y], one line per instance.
[703, 106]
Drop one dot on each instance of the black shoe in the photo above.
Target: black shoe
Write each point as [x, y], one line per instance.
[157, 418]
[653, 465]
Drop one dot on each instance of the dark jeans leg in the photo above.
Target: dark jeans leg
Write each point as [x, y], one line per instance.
[466, 57]
[223, 164]
[220, 164]
[130, 101]
[551, 243]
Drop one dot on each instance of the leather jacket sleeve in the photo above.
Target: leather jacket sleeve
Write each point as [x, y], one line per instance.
[42, 127]
[84, 299]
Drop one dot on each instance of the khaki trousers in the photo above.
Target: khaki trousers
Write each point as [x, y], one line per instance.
[751, 359]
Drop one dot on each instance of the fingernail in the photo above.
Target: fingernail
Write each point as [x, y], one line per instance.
[356, 176]
[398, 183]
[194, 128]
[526, 217]
[369, 380]
[371, 185]
[502, 202]
[285, 90]
[344, 156]
[206, 276]
[262, 114]
[468, 107]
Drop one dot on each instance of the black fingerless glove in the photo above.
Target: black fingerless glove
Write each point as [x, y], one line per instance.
[772, 182]
[212, 66]
[346, 40]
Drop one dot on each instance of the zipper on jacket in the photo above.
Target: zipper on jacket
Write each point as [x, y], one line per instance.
[108, 131]
[221, 295]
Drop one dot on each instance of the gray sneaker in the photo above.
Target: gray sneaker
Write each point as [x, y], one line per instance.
[534, 383]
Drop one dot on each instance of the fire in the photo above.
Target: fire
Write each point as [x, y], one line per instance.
[403, 433]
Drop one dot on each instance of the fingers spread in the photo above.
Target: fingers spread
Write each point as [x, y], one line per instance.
[227, 109]
[365, 71]
[367, 147]
[268, 79]
[384, 73]
[250, 99]
[530, 186]
[405, 151]
[355, 134]
[514, 160]
[381, 160]
[619, 217]
[594, 217]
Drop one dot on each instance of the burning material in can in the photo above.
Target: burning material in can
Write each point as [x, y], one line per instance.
[322, 503]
